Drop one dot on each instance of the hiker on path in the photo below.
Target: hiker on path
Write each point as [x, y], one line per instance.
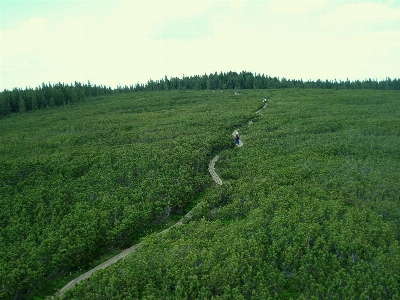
[237, 138]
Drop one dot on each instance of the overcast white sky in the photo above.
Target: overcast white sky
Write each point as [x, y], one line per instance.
[125, 42]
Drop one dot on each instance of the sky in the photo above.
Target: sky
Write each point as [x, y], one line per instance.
[113, 42]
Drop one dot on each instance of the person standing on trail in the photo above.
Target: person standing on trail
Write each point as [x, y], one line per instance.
[237, 138]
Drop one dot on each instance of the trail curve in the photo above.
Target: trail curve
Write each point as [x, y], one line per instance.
[124, 253]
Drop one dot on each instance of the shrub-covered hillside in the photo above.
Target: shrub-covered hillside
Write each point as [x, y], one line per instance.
[309, 209]
[84, 180]
[309, 206]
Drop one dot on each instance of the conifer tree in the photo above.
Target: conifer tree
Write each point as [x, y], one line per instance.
[4, 106]
[74, 95]
[21, 105]
[34, 101]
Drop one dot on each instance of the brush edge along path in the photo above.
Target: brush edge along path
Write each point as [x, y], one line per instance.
[124, 253]
[118, 257]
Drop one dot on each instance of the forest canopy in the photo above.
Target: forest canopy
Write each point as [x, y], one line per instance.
[47, 95]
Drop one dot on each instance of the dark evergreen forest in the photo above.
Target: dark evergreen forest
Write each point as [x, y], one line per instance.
[47, 95]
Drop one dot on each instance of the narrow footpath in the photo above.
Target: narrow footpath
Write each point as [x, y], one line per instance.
[124, 253]
[119, 256]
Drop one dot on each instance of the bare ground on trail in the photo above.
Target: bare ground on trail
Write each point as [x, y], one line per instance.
[119, 256]
[124, 253]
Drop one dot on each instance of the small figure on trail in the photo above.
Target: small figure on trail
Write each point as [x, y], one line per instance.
[237, 139]
[265, 100]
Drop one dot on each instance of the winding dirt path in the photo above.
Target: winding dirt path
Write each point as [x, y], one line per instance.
[214, 175]
[119, 256]
[124, 253]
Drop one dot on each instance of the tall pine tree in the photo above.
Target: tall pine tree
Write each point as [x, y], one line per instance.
[5, 107]
[34, 101]
[21, 105]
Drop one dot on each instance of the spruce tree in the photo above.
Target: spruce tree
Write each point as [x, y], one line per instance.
[5, 107]
[21, 105]
[198, 85]
[34, 101]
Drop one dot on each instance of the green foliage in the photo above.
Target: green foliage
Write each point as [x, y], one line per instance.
[82, 180]
[34, 101]
[309, 207]
[62, 94]
[5, 108]
[279, 250]
[21, 105]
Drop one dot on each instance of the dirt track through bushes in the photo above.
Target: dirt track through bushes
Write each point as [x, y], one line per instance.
[124, 253]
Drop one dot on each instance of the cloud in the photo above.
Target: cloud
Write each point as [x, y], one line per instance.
[140, 40]
[361, 16]
[294, 7]
[186, 28]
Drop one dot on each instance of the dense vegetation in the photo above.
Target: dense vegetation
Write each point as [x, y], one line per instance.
[82, 180]
[309, 206]
[59, 94]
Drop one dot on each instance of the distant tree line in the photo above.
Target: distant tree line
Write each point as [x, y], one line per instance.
[44, 96]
